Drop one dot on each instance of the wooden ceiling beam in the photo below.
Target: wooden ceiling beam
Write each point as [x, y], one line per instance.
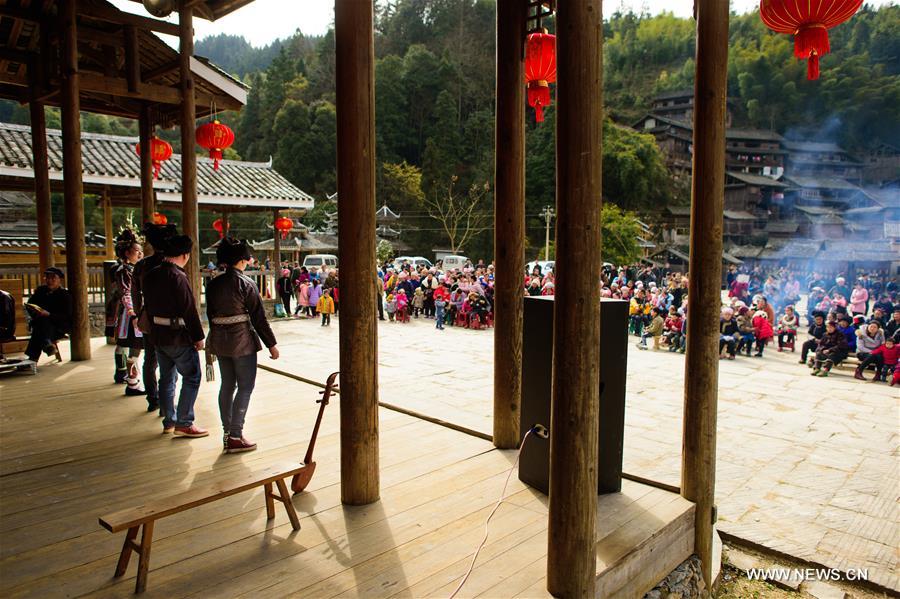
[161, 71]
[112, 15]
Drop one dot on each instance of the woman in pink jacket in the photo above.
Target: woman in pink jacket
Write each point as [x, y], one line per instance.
[858, 299]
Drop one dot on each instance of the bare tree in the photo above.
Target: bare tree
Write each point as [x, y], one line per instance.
[461, 215]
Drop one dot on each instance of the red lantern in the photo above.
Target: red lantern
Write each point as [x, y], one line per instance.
[284, 225]
[160, 150]
[540, 71]
[809, 23]
[215, 137]
[221, 227]
[160, 219]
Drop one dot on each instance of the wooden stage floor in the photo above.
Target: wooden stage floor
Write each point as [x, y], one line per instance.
[72, 448]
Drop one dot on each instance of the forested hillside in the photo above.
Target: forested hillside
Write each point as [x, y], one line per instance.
[434, 102]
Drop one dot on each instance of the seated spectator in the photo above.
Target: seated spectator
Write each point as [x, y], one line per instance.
[787, 328]
[879, 316]
[883, 358]
[830, 351]
[868, 339]
[892, 328]
[672, 329]
[815, 331]
[50, 309]
[728, 334]
[746, 335]
[849, 331]
[762, 330]
[654, 330]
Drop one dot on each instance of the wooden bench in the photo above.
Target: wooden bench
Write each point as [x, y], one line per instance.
[146, 515]
[16, 289]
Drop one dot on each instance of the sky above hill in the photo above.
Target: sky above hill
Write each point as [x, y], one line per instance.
[264, 21]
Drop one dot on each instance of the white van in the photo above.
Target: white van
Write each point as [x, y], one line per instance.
[315, 262]
[454, 262]
[414, 261]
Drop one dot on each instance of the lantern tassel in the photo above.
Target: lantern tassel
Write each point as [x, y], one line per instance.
[811, 43]
[538, 113]
[156, 168]
[812, 67]
[216, 155]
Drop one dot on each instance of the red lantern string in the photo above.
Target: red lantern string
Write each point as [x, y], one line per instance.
[160, 150]
[284, 225]
[540, 71]
[221, 227]
[160, 219]
[809, 23]
[215, 137]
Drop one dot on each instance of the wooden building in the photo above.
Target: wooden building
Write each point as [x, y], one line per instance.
[814, 159]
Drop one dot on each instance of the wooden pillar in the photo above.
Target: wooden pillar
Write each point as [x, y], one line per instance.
[42, 185]
[355, 79]
[76, 254]
[571, 559]
[276, 238]
[509, 219]
[225, 225]
[189, 218]
[148, 199]
[701, 367]
[108, 225]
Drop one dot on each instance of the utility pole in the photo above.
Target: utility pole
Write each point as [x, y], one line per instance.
[548, 214]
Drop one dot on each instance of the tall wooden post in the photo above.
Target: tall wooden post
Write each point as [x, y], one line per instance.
[108, 225]
[148, 199]
[189, 219]
[509, 221]
[225, 224]
[571, 559]
[276, 238]
[355, 69]
[76, 254]
[41, 185]
[701, 367]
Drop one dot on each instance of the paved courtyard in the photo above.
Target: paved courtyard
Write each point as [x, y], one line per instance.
[806, 466]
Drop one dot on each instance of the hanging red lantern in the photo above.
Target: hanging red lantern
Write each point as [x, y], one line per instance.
[284, 225]
[221, 227]
[215, 137]
[160, 150]
[160, 219]
[809, 23]
[540, 70]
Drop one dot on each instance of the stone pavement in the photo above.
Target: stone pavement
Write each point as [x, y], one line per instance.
[806, 466]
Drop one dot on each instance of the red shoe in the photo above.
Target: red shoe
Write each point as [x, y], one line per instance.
[239, 445]
[191, 432]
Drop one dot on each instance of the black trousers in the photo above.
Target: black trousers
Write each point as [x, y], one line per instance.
[43, 333]
[808, 346]
[149, 369]
[286, 302]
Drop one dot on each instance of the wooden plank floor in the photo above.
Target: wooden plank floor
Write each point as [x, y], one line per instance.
[72, 448]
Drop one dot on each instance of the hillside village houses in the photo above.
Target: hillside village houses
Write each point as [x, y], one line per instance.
[799, 203]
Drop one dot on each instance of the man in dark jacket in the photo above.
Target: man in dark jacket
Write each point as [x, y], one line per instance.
[177, 334]
[831, 350]
[50, 308]
[156, 236]
[816, 330]
[237, 320]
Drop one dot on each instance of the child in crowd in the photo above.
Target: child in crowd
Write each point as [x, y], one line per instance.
[884, 359]
[654, 330]
[848, 330]
[672, 327]
[390, 304]
[745, 330]
[402, 306]
[315, 292]
[302, 296]
[325, 307]
[762, 330]
[418, 302]
[728, 333]
[787, 328]
[439, 305]
[816, 330]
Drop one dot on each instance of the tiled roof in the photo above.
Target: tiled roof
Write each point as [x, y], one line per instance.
[822, 183]
[760, 180]
[880, 250]
[887, 197]
[22, 235]
[738, 215]
[812, 146]
[781, 227]
[111, 160]
[793, 248]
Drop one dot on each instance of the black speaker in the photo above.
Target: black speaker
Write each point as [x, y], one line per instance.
[537, 363]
